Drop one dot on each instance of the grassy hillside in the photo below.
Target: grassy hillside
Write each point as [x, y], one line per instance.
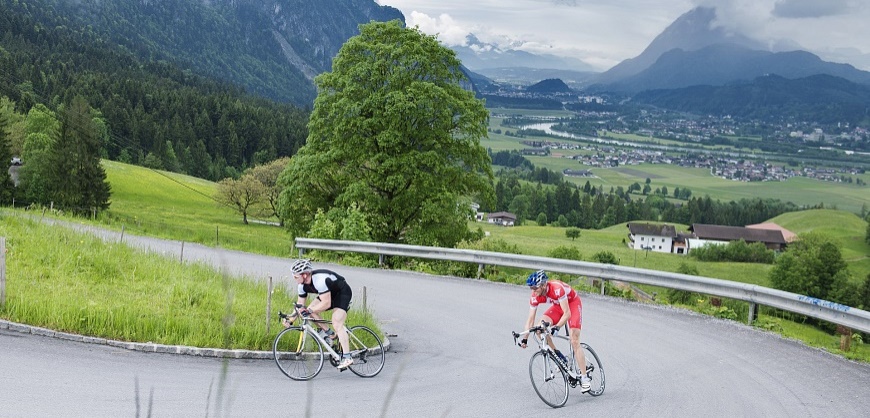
[847, 229]
[75, 282]
[180, 207]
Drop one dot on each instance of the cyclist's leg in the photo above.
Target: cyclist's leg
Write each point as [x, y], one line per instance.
[339, 316]
[317, 316]
[340, 305]
[575, 323]
[552, 316]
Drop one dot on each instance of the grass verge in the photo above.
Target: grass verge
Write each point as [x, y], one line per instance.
[74, 282]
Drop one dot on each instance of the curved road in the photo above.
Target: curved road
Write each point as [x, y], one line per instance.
[452, 355]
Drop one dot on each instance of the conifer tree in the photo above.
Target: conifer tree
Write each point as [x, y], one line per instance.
[78, 180]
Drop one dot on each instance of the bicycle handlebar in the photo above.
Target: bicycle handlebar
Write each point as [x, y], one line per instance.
[540, 328]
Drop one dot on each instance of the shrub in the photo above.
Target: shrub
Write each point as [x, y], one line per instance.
[605, 257]
[565, 253]
[737, 251]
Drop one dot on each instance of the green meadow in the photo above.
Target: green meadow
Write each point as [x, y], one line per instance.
[801, 191]
[182, 208]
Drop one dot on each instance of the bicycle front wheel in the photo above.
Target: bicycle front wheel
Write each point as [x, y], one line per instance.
[367, 351]
[298, 353]
[594, 370]
[548, 379]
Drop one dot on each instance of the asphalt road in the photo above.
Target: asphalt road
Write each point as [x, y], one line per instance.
[452, 355]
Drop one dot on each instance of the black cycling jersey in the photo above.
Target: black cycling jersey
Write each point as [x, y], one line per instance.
[323, 281]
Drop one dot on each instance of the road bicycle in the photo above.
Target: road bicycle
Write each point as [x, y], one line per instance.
[299, 349]
[551, 377]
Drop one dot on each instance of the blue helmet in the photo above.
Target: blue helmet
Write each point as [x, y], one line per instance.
[537, 278]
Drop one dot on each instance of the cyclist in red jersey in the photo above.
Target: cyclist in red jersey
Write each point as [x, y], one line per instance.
[566, 309]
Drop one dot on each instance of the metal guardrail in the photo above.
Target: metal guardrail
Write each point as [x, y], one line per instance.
[755, 295]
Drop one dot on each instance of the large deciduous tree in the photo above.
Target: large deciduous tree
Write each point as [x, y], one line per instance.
[393, 131]
[267, 174]
[243, 194]
[812, 266]
[41, 131]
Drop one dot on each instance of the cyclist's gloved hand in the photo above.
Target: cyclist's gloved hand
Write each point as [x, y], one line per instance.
[304, 312]
[554, 330]
[524, 342]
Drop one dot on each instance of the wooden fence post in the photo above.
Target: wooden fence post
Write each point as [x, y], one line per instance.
[269, 307]
[122, 234]
[217, 235]
[2, 272]
[365, 303]
[181, 257]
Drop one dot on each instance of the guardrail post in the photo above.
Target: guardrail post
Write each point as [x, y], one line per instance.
[301, 252]
[602, 286]
[753, 313]
[480, 268]
[381, 260]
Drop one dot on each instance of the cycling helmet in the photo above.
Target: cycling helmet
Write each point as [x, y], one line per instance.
[301, 266]
[537, 278]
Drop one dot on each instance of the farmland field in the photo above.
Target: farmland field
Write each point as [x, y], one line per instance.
[801, 191]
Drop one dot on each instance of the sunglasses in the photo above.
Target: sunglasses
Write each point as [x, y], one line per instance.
[534, 287]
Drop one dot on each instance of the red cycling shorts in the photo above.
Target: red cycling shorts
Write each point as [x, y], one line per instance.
[576, 319]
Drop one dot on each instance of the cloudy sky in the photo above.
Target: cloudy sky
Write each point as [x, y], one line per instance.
[604, 32]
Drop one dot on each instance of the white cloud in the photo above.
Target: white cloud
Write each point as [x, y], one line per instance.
[604, 32]
[811, 8]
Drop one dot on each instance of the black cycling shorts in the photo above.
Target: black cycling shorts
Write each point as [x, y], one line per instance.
[341, 297]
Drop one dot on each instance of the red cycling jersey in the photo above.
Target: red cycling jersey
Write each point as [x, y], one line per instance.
[556, 292]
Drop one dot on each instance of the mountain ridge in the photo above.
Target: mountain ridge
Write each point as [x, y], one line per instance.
[722, 64]
[822, 98]
[271, 48]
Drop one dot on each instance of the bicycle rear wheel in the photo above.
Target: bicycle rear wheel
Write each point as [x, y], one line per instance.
[366, 350]
[594, 370]
[548, 379]
[298, 353]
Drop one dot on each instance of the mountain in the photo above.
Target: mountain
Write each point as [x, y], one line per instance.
[479, 56]
[822, 98]
[726, 63]
[549, 86]
[273, 48]
[524, 76]
[692, 31]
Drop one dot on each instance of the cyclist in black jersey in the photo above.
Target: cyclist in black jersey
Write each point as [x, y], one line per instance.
[332, 292]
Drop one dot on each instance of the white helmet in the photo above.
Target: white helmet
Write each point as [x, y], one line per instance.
[301, 266]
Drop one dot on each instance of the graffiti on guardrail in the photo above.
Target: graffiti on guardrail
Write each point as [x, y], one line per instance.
[824, 303]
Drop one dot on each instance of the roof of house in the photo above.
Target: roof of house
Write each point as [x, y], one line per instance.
[652, 229]
[788, 235]
[506, 215]
[734, 233]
